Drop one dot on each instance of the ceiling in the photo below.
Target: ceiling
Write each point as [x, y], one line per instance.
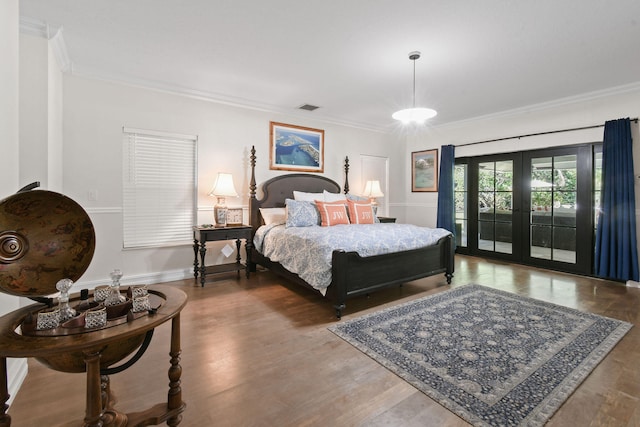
[350, 57]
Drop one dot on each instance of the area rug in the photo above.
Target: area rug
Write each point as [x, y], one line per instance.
[492, 357]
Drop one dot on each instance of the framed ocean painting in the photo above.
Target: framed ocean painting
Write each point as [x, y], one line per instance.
[296, 148]
[424, 170]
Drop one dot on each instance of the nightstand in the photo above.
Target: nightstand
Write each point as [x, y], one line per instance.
[202, 235]
[386, 219]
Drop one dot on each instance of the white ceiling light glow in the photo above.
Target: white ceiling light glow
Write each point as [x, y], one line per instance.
[413, 114]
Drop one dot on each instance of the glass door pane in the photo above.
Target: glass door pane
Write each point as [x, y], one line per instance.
[597, 186]
[495, 206]
[553, 208]
[461, 198]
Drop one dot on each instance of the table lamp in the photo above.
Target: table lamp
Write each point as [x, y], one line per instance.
[372, 191]
[221, 189]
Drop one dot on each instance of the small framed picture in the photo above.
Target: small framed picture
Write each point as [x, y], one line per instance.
[424, 170]
[296, 148]
[234, 216]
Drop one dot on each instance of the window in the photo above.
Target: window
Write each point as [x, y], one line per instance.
[159, 188]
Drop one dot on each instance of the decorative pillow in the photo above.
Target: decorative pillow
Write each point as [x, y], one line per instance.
[307, 197]
[357, 198]
[273, 215]
[301, 214]
[332, 213]
[333, 197]
[360, 213]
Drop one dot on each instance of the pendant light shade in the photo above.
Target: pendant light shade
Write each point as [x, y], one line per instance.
[413, 114]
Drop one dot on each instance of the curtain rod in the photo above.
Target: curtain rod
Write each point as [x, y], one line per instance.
[536, 134]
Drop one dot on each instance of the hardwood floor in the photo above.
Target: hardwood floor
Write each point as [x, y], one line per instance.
[257, 352]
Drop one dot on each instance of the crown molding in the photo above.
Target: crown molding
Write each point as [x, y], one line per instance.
[218, 98]
[59, 48]
[53, 34]
[34, 27]
[585, 97]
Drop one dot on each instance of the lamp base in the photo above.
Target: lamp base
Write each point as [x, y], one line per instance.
[220, 213]
[374, 205]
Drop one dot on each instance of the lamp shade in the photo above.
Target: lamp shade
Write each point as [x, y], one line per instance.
[224, 186]
[372, 189]
[416, 115]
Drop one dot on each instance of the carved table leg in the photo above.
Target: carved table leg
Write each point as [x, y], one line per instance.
[5, 419]
[203, 269]
[99, 411]
[110, 417]
[195, 258]
[238, 257]
[93, 412]
[174, 398]
[248, 246]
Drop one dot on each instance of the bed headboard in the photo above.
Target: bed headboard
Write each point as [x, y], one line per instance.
[281, 187]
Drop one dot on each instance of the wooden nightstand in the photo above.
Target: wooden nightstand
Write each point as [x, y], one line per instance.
[202, 235]
[386, 219]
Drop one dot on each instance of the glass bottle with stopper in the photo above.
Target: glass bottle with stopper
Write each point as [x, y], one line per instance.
[115, 297]
[65, 310]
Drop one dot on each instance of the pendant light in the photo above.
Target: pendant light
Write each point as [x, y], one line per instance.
[413, 114]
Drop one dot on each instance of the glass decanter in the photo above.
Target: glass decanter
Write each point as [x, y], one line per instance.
[115, 297]
[66, 312]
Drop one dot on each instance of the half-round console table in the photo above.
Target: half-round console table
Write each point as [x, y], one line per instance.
[88, 348]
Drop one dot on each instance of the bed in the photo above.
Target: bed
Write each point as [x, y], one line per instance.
[350, 273]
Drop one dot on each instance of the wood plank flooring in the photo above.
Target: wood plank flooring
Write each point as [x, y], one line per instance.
[257, 352]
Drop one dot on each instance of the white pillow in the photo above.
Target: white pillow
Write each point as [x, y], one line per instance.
[301, 196]
[334, 197]
[274, 215]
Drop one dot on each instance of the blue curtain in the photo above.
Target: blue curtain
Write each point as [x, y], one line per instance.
[446, 202]
[616, 254]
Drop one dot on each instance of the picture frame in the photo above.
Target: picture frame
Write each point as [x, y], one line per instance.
[234, 216]
[424, 171]
[295, 148]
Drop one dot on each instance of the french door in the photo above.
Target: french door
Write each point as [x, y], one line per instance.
[533, 207]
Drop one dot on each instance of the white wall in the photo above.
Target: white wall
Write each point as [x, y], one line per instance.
[40, 114]
[9, 69]
[94, 115]
[9, 132]
[54, 121]
[34, 152]
[591, 110]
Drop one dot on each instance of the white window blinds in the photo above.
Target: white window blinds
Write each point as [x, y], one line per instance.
[159, 188]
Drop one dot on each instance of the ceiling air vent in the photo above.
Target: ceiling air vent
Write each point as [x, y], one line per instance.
[308, 107]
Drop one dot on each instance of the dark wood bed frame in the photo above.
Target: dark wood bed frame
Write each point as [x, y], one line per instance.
[352, 274]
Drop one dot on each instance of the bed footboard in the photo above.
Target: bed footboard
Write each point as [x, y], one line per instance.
[355, 275]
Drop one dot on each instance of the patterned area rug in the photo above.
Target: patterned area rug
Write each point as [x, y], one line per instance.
[492, 357]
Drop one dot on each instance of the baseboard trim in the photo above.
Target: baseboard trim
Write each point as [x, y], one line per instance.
[633, 284]
[17, 370]
[140, 279]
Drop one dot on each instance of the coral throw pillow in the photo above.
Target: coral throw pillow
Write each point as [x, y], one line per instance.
[360, 213]
[332, 213]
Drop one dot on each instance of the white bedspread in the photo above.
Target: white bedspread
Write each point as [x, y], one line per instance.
[307, 251]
